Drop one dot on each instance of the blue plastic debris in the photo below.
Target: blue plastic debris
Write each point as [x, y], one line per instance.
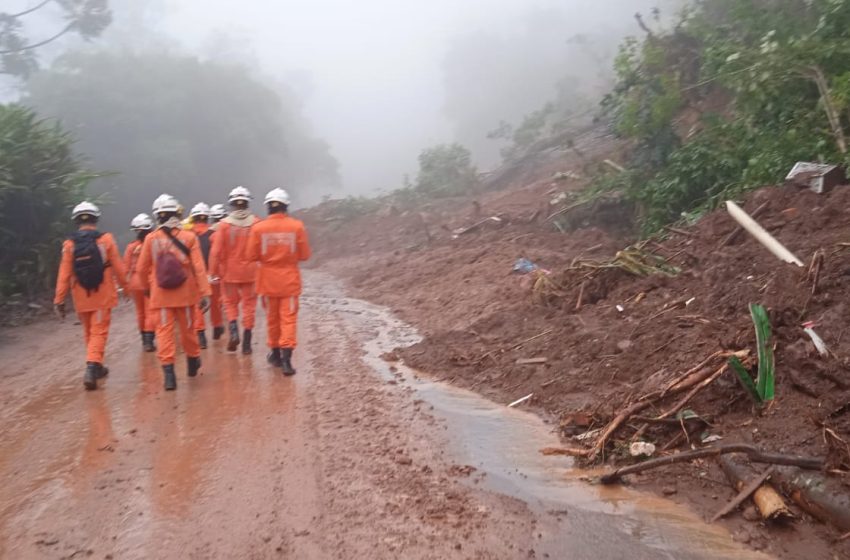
[524, 266]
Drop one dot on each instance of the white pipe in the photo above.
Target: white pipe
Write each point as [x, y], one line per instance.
[761, 234]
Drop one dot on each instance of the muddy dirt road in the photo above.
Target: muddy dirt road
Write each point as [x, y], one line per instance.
[351, 458]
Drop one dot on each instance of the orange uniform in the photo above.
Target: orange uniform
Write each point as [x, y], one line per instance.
[94, 308]
[174, 305]
[144, 314]
[201, 229]
[279, 243]
[228, 262]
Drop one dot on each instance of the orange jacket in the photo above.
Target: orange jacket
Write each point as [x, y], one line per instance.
[200, 229]
[279, 243]
[106, 296]
[196, 284]
[131, 261]
[227, 259]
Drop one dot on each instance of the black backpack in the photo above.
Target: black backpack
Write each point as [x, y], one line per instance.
[88, 261]
[204, 239]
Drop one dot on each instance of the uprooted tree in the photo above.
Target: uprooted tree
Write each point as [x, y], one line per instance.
[19, 41]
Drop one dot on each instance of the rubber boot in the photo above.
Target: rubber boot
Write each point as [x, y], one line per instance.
[170, 378]
[233, 342]
[202, 339]
[193, 365]
[147, 341]
[102, 371]
[274, 357]
[246, 342]
[286, 361]
[90, 377]
[217, 332]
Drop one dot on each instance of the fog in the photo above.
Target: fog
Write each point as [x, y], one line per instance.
[379, 80]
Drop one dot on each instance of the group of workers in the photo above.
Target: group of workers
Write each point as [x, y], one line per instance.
[178, 269]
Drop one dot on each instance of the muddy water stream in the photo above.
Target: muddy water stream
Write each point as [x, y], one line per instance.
[585, 521]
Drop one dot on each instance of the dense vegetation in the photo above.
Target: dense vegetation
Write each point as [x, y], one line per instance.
[40, 180]
[729, 99]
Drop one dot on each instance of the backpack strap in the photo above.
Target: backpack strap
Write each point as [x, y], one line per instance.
[177, 243]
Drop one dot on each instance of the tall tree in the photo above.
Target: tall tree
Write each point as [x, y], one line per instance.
[19, 42]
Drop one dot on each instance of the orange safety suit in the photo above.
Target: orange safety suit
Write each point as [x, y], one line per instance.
[238, 275]
[175, 305]
[144, 314]
[215, 300]
[94, 309]
[279, 243]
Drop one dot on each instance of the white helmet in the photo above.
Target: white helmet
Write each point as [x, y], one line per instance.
[277, 195]
[141, 222]
[200, 209]
[85, 208]
[218, 211]
[239, 193]
[165, 203]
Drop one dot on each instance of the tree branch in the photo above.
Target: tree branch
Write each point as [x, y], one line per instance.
[67, 28]
[29, 11]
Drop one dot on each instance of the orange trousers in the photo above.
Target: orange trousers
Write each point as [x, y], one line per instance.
[144, 314]
[282, 317]
[96, 329]
[166, 347]
[243, 293]
[216, 315]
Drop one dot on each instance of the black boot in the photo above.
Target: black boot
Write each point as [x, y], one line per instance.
[102, 371]
[194, 366]
[286, 361]
[246, 342]
[202, 339]
[233, 342]
[90, 377]
[147, 342]
[217, 332]
[170, 378]
[274, 357]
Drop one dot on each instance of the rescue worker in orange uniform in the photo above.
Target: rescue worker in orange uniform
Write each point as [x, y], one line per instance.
[238, 275]
[171, 266]
[142, 225]
[279, 243]
[200, 215]
[90, 268]
[217, 213]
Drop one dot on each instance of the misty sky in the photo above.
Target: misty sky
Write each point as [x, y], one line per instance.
[370, 71]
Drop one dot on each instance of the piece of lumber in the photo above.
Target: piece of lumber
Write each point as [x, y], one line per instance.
[568, 451]
[739, 230]
[745, 493]
[762, 236]
[753, 453]
[769, 503]
[531, 361]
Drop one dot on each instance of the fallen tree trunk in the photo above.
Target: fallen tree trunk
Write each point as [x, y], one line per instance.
[768, 501]
[755, 454]
[821, 497]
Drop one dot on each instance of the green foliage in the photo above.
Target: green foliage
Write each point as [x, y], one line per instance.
[446, 170]
[729, 99]
[172, 123]
[41, 178]
[762, 389]
[18, 50]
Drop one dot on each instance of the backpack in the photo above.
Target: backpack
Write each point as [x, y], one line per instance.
[170, 274]
[204, 240]
[88, 260]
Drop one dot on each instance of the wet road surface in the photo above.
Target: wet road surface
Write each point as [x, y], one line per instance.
[352, 458]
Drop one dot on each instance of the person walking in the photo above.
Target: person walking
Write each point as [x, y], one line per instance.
[171, 266]
[228, 263]
[142, 225]
[90, 268]
[279, 243]
[217, 213]
[200, 216]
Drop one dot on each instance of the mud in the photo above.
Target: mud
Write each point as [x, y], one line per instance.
[354, 457]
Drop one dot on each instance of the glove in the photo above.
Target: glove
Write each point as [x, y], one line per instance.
[205, 304]
[59, 310]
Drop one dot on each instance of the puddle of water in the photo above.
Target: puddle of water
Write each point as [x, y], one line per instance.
[595, 521]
